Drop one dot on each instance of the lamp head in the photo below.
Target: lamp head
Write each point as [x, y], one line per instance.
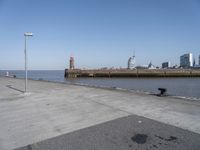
[28, 34]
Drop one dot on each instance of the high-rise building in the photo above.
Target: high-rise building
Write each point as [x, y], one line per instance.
[186, 60]
[199, 59]
[166, 65]
[131, 62]
[194, 63]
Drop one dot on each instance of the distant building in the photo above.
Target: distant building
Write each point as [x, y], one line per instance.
[166, 65]
[151, 66]
[131, 62]
[194, 63]
[196, 66]
[142, 67]
[175, 67]
[199, 59]
[71, 63]
[186, 60]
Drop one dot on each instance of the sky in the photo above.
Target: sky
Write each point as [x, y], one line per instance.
[98, 33]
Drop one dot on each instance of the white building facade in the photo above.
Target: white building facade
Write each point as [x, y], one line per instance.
[131, 62]
[186, 60]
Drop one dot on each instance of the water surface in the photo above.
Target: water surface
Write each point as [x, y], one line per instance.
[186, 87]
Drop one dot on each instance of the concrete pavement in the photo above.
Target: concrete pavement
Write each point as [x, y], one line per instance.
[53, 109]
[127, 133]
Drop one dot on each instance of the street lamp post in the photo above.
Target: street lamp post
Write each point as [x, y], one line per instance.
[27, 34]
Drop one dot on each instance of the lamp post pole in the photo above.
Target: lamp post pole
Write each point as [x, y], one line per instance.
[25, 54]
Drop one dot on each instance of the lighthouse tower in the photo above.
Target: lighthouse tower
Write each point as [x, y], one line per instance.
[71, 62]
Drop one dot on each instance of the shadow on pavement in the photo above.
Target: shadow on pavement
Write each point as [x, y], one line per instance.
[9, 86]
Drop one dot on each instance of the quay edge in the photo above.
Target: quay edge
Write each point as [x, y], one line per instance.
[75, 73]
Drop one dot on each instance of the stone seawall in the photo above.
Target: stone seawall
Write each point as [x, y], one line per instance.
[133, 73]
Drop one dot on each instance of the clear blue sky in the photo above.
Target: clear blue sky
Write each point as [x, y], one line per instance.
[97, 32]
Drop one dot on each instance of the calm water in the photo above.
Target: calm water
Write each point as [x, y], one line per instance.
[187, 87]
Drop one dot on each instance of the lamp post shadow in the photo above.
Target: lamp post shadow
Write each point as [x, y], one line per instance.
[10, 86]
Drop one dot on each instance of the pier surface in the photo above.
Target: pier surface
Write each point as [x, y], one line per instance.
[73, 73]
[62, 116]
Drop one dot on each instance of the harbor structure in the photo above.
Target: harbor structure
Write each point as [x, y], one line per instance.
[166, 65]
[70, 69]
[71, 62]
[109, 73]
[186, 60]
[138, 71]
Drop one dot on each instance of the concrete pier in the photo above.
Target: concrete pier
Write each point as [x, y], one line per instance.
[74, 73]
[62, 116]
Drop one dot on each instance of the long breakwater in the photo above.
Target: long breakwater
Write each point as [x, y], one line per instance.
[74, 73]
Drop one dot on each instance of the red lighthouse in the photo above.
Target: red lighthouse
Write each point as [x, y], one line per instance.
[71, 62]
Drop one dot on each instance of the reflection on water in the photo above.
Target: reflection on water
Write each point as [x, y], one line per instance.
[188, 87]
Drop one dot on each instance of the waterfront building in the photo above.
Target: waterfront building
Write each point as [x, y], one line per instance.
[199, 59]
[151, 66]
[175, 67]
[166, 65]
[196, 67]
[194, 63]
[186, 60]
[131, 62]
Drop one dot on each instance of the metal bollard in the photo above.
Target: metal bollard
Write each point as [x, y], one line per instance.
[162, 91]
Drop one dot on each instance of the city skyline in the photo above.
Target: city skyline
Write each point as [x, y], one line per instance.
[98, 33]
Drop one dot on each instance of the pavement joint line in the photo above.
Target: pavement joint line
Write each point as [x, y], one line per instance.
[112, 107]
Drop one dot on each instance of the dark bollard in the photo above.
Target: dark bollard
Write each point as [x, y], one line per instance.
[162, 91]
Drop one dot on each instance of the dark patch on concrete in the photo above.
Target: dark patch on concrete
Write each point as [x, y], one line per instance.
[171, 138]
[58, 130]
[155, 146]
[10, 86]
[29, 147]
[159, 137]
[116, 135]
[139, 138]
